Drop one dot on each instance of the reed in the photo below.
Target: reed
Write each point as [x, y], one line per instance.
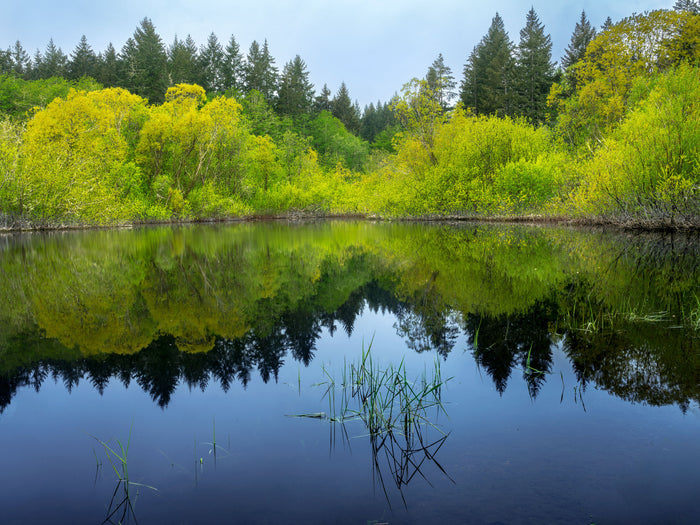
[118, 458]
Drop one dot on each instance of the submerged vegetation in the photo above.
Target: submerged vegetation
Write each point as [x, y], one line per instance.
[614, 137]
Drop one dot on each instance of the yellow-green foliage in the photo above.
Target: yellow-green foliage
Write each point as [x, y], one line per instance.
[639, 45]
[10, 140]
[74, 159]
[650, 166]
[188, 144]
[476, 164]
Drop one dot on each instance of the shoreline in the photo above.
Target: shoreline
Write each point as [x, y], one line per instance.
[534, 219]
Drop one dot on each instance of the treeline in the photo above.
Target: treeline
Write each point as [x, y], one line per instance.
[614, 136]
[147, 67]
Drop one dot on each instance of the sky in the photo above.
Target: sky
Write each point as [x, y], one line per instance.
[374, 46]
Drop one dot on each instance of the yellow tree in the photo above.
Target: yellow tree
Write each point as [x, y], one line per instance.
[74, 157]
[637, 46]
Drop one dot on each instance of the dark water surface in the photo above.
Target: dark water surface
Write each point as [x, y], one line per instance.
[570, 363]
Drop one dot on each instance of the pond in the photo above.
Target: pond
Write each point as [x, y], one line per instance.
[350, 372]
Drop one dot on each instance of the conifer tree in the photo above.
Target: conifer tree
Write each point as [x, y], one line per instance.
[83, 61]
[211, 57]
[691, 6]
[296, 93]
[146, 63]
[6, 62]
[487, 86]
[232, 68]
[108, 67]
[54, 62]
[322, 102]
[534, 69]
[343, 109]
[581, 37]
[34, 70]
[607, 24]
[260, 71]
[19, 59]
[441, 82]
[183, 62]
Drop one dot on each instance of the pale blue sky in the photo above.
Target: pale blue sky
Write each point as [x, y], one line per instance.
[374, 46]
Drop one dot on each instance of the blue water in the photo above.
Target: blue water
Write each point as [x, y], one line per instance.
[565, 457]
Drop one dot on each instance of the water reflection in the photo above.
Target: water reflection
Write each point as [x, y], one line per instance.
[161, 307]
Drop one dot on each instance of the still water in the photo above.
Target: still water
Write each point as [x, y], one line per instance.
[566, 365]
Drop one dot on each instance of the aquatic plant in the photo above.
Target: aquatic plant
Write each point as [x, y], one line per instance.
[393, 410]
[118, 460]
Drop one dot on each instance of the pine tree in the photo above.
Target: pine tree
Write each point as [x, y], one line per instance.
[691, 6]
[269, 74]
[487, 86]
[581, 37]
[127, 64]
[232, 68]
[146, 63]
[534, 69]
[296, 93]
[21, 64]
[183, 62]
[441, 82]
[322, 102]
[343, 109]
[6, 62]
[36, 64]
[108, 67]
[83, 61]
[54, 62]
[260, 71]
[211, 58]
[607, 24]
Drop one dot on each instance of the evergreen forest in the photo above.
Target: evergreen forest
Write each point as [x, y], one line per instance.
[607, 133]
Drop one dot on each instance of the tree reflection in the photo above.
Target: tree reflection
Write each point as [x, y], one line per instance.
[164, 307]
[504, 342]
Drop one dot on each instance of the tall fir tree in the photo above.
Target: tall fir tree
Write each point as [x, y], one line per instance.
[211, 57]
[296, 92]
[583, 33]
[35, 66]
[183, 62]
[322, 102]
[260, 71]
[691, 6]
[146, 63]
[54, 62]
[108, 67]
[607, 24]
[441, 82]
[83, 61]
[487, 86]
[232, 68]
[6, 62]
[343, 109]
[21, 63]
[534, 70]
